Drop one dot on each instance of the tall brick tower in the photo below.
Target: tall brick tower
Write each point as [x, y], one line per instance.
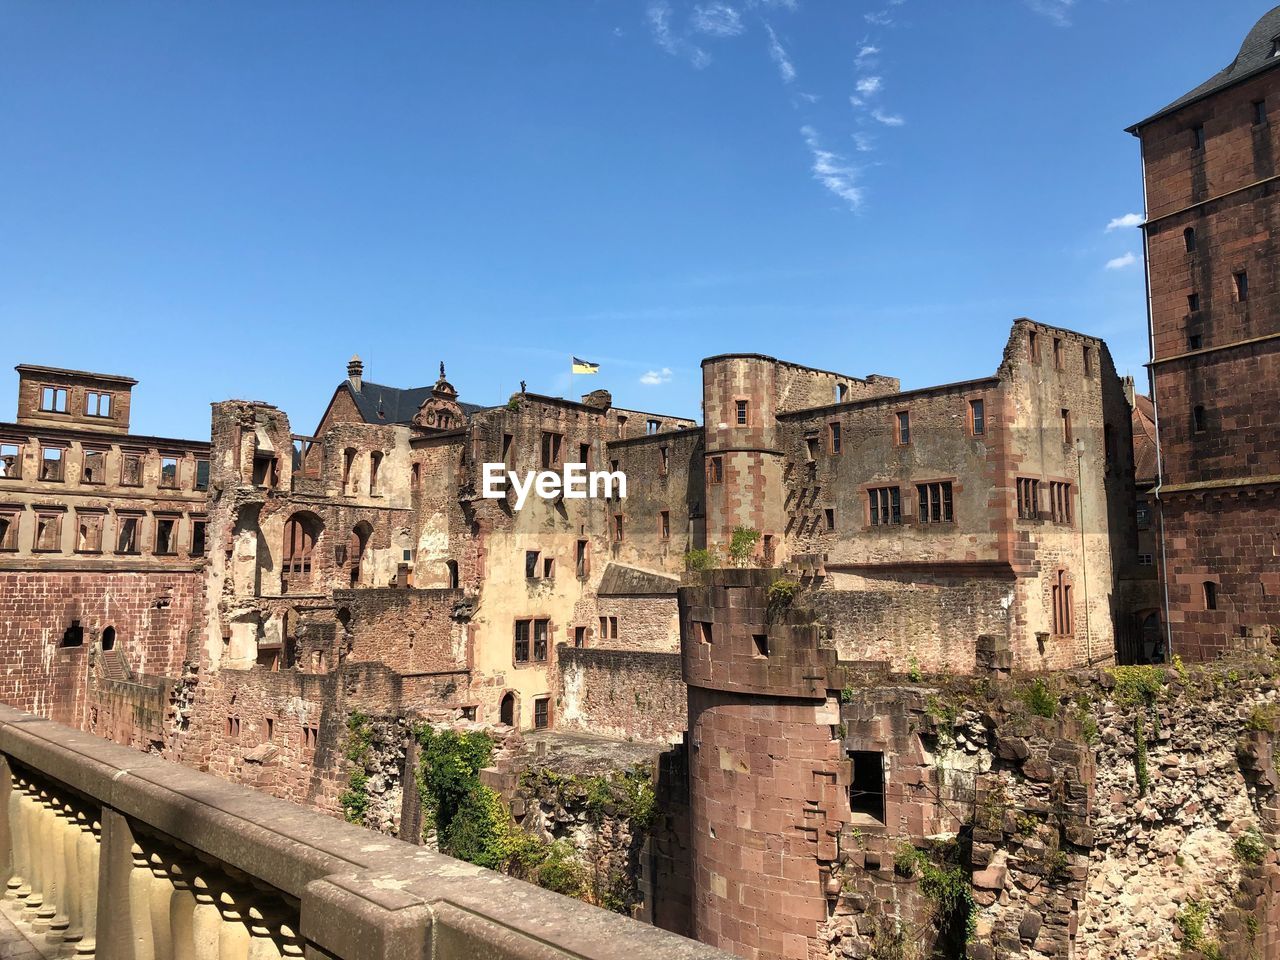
[1213, 214]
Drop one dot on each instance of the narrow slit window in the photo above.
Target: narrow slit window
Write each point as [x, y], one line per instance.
[1259, 112]
[1193, 302]
[742, 413]
[1210, 595]
[664, 524]
[904, 427]
[1189, 239]
[978, 417]
[1197, 137]
[1242, 286]
[1199, 420]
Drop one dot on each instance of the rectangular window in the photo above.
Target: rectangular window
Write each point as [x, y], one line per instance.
[1033, 346]
[530, 564]
[51, 464]
[608, 628]
[541, 630]
[1193, 302]
[652, 426]
[715, 471]
[202, 474]
[579, 637]
[977, 417]
[127, 533]
[1063, 613]
[551, 450]
[375, 468]
[1242, 286]
[169, 472]
[584, 454]
[886, 506]
[130, 469]
[310, 737]
[1088, 361]
[935, 502]
[10, 461]
[903, 427]
[53, 399]
[1066, 426]
[523, 630]
[830, 516]
[9, 531]
[580, 559]
[48, 532]
[664, 461]
[88, 532]
[1259, 112]
[833, 436]
[866, 792]
[811, 448]
[1142, 515]
[233, 728]
[541, 713]
[97, 404]
[265, 471]
[531, 640]
[1060, 501]
[93, 469]
[1197, 137]
[1028, 499]
[617, 528]
[1057, 353]
[664, 524]
[198, 536]
[704, 632]
[548, 568]
[742, 413]
[1199, 420]
[506, 449]
[1144, 559]
[761, 641]
[1194, 342]
[166, 536]
[1210, 595]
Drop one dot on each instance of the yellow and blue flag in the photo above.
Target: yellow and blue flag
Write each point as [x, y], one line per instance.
[585, 366]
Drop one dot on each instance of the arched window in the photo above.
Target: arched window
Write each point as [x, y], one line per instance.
[1189, 239]
[453, 574]
[109, 638]
[1210, 595]
[507, 710]
[300, 533]
[357, 545]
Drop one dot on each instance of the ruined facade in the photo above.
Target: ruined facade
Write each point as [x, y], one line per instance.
[1209, 166]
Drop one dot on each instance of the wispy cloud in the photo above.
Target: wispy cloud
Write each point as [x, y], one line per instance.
[786, 69]
[1057, 12]
[888, 119]
[869, 85]
[659, 17]
[832, 170]
[865, 54]
[879, 18]
[717, 20]
[1128, 220]
[863, 142]
[1119, 263]
[654, 378]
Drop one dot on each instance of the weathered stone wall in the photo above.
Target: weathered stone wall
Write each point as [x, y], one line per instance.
[627, 694]
[419, 631]
[664, 473]
[644, 623]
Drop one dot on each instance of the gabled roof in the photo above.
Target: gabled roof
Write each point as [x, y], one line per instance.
[1255, 56]
[620, 581]
[1144, 440]
[381, 404]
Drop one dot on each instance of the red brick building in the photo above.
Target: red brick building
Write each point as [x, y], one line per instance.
[1212, 196]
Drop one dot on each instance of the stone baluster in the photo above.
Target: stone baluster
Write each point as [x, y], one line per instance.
[182, 908]
[140, 880]
[18, 888]
[34, 899]
[56, 895]
[206, 921]
[88, 858]
[161, 900]
[234, 937]
[72, 903]
[43, 833]
[265, 944]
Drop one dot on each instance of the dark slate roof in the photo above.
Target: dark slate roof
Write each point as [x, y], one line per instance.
[620, 581]
[379, 404]
[1144, 440]
[1254, 57]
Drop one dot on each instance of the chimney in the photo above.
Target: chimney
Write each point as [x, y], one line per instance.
[355, 369]
[1128, 390]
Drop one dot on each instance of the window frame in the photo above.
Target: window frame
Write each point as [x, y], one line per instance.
[18, 448]
[125, 457]
[977, 416]
[176, 483]
[55, 392]
[60, 460]
[13, 531]
[884, 506]
[100, 515]
[158, 520]
[1028, 497]
[939, 493]
[122, 519]
[99, 395]
[902, 428]
[532, 642]
[42, 515]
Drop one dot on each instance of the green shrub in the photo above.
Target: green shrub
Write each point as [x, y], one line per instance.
[480, 830]
[742, 545]
[1250, 846]
[1040, 700]
[1140, 755]
[561, 871]
[781, 592]
[1138, 685]
[944, 881]
[1193, 919]
[699, 560]
[914, 673]
[1263, 717]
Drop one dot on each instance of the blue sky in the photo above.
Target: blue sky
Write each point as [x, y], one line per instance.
[229, 199]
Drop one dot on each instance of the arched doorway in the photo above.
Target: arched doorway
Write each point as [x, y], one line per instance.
[1152, 638]
[507, 709]
[109, 638]
[452, 566]
[301, 531]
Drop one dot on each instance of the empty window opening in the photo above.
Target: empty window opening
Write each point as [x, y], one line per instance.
[94, 467]
[198, 528]
[664, 524]
[1033, 346]
[842, 391]
[622, 426]
[10, 461]
[652, 426]
[542, 713]
[97, 404]
[935, 502]
[584, 454]
[1066, 426]
[127, 534]
[761, 641]
[89, 533]
[551, 450]
[1057, 352]
[715, 472]
[51, 464]
[8, 531]
[833, 436]
[1193, 302]
[507, 710]
[271, 729]
[109, 638]
[1197, 137]
[885, 505]
[1028, 499]
[310, 738]
[1242, 286]
[617, 528]
[866, 792]
[1210, 595]
[130, 469]
[1199, 420]
[1194, 341]
[705, 632]
[664, 461]
[53, 399]
[452, 567]
[73, 636]
[1063, 614]
[978, 417]
[811, 448]
[1060, 501]
[1259, 112]
[531, 564]
[548, 568]
[169, 472]
[48, 532]
[375, 467]
[1189, 239]
[348, 465]
[166, 540]
[829, 515]
[580, 559]
[233, 728]
[904, 427]
[742, 413]
[266, 471]
[299, 542]
[579, 637]
[415, 475]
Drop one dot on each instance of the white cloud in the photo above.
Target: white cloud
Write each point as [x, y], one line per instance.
[866, 52]
[1119, 263]
[654, 378]
[659, 17]
[855, 101]
[718, 20]
[809, 97]
[1057, 12]
[786, 69]
[1128, 220]
[863, 142]
[888, 119]
[880, 18]
[869, 85]
[832, 170]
